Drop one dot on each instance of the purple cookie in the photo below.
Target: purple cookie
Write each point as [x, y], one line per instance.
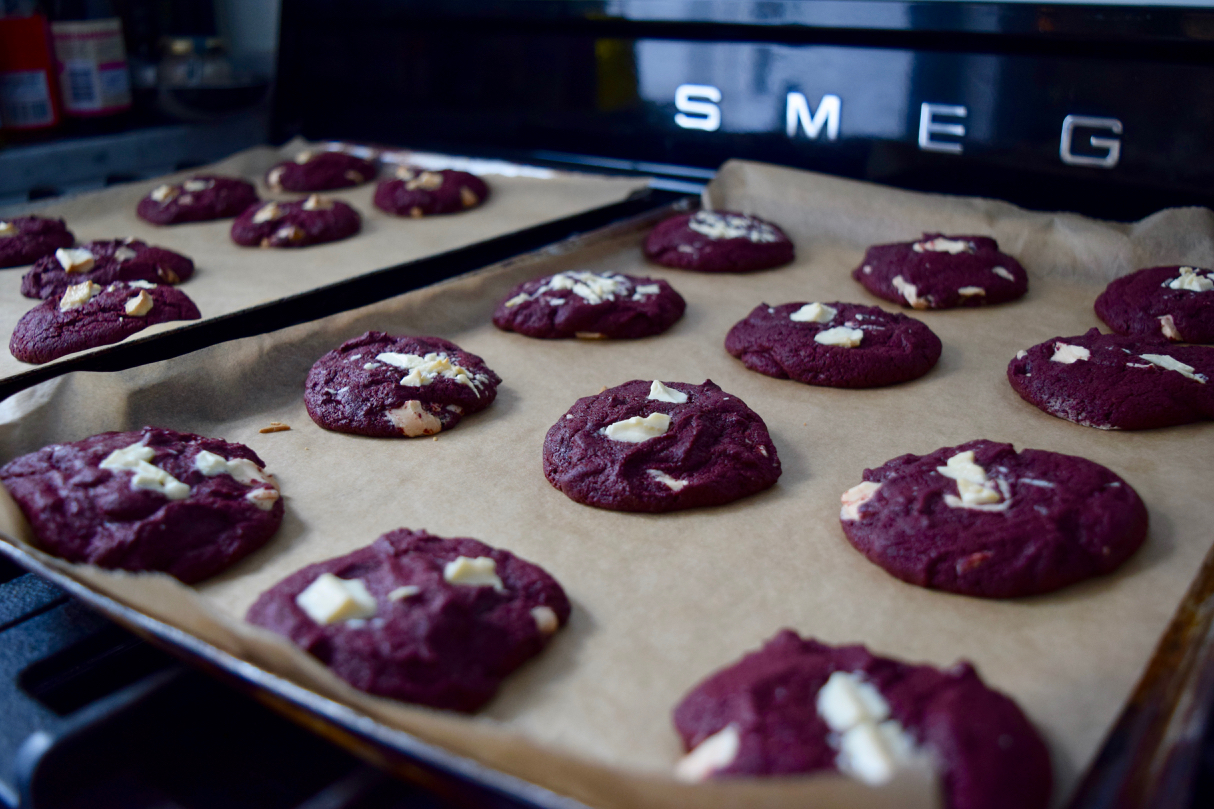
[650, 446]
[387, 387]
[104, 262]
[153, 499]
[1174, 302]
[718, 241]
[942, 272]
[320, 171]
[590, 305]
[26, 239]
[800, 706]
[198, 199]
[417, 192]
[840, 345]
[981, 519]
[89, 315]
[441, 622]
[314, 220]
[1117, 383]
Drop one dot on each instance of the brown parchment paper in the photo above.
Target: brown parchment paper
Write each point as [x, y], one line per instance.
[660, 601]
[229, 278]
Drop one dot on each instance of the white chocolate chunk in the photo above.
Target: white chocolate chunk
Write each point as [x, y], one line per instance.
[663, 393]
[661, 477]
[403, 592]
[969, 292]
[424, 370]
[274, 178]
[976, 489]
[140, 305]
[244, 470]
[7, 229]
[263, 498]
[1067, 354]
[872, 747]
[841, 336]
[426, 181]
[78, 295]
[846, 701]
[197, 185]
[855, 497]
[646, 289]
[1172, 364]
[943, 245]
[141, 284]
[814, 313]
[714, 753]
[75, 259]
[124, 254]
[413, 419]
[1168, 327]
[289, 233]
[330, 599]
[315, 202]
[522, 297]
[545, 619]
[594, 288]
[637, 429]
[730, 226]
[164, 193]
[1003, 272]
[1191, 280]
[478, 571]
[864, 755]
[556, 301]
[910, 292]
[304, 156]
[135, 458]
[267, 213]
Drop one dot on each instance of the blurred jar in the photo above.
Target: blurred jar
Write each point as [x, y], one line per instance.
[91, 58]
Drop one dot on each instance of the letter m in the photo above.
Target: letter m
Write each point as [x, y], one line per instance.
[800, 115]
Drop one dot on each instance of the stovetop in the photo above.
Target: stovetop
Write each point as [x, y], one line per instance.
[92, 717]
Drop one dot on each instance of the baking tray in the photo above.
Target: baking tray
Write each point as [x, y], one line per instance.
[231, 279]
[661, 601]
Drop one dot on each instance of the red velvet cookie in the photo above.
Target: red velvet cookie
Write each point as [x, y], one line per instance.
[104, 262]
[650, 446]
[198, 199]
[154, 499]
[314, 220]
[417, 192]
[89, 315]
[718, 241]
[416, 617]
[387, 387]
[1117, 383]
[942, 272]
[590, 305]
[25, 239]
[838, 345]
[800, 706]
[320, 171]
[1173, 302]
[981, 519]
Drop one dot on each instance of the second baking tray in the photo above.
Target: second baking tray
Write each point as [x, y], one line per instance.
[660, 601]
[231, 279]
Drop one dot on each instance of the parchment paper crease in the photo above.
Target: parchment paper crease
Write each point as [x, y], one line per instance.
[229, 278]
[661, 601]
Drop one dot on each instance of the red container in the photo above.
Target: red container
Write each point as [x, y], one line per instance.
[29, 95]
